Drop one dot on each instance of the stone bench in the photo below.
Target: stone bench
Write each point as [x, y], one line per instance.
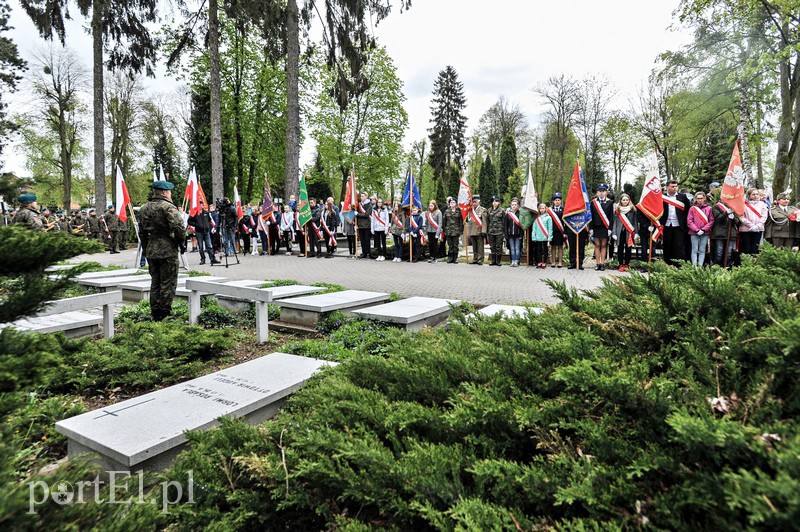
[261, 297]
[413, 313]
[140, 290]
[183, 292]
[65, 315]
[308, 310]
[147, 432]
[104, 283]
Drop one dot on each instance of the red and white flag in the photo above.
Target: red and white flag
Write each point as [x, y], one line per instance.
[237, 201]
[651, 203]
[733, 186]
[123, 198]
[350, 197]
[191, 194]
[464, 197]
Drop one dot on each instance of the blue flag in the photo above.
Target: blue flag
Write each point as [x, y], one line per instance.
[577, 211]
[411, 193]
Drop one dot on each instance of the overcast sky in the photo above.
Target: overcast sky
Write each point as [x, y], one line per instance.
[498, 47]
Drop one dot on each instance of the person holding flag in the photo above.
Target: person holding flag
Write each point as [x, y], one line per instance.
[414, 228]
[201, 223]
[476, 226]
[577, 217]
[364, 224]
[559, 240]
[602, 217]
[302, 215]
[452, 227]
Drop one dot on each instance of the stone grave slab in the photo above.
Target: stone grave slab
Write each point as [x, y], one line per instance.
[309, 309]
[509, 311]
[413, 313]
[181, 291]
[148, 431]
[74, 324]
[235, 304]
[140, 290]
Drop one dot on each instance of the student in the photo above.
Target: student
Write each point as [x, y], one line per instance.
[314, 228]
[329, 218]
[363, 216]
[602, 217]
[414, 228]
[726, 228]
[559, 240]
[699, 221]
[541, 235]
[380, 226]
[624, 231]
[397, 222]
[349, 231]
[514, 232]
[287, 227]
[433, 226]
[753, 222]
[452, 227]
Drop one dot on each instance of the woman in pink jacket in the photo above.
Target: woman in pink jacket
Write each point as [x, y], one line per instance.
[700, 222]
[752, 228]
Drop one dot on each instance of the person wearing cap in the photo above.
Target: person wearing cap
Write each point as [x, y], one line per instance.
[714, 191]
[453, 227]
[559, 237]
[782, 227]
[93, 225]
[162, 234]
[476, 224]
[674, 221]
[496, 230]
[28, 214]
[77, 224]
[602, 219]
[112, 226]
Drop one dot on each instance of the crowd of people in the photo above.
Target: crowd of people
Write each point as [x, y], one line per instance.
[697, 228]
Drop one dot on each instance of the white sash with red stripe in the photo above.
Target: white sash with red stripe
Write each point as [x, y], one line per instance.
[316, 230]
[397, 221]
[699, 212]
[556, 221]
[361, 208]
[261, 226]
[298, 227]
[476, 218]
[378, 218]
[753, 210]
[514, 218]
[432, 222]
[674, 202]
[601, 212]
[331, 238]
[541, 226]
[627, 225]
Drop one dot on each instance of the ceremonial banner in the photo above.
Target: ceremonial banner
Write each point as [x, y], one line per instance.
[651, 203]
[530, 199]
[411, 193]
[303, 208]
[123, 198]
[577, 213]
[464, 197]
[733, 186]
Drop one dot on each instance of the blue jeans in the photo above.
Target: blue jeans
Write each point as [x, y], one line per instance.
[699, 243]
[204, 245]
[515, 247]
[228, 239]
[719, 250]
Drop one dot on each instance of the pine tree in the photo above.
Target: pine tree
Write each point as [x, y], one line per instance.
[508, 162]
[488, 181]
[10, 65]
[449, 124]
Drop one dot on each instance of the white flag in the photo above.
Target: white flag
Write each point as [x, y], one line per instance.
[530, 199]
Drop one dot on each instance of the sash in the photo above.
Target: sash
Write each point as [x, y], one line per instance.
[331, 239]
[476, 218]
[284, 221]
[658, 232]
[272, 217]
[674, 202]
[431, 221]
[361, 208]
[397, 221]
[378, 219]
[261, 226]
[514, 218]
[556, 221]
[541, 226]
[699, 212]
[753, 210]
[298, 227]
[723, 207]
[213, 224]
[627, 225]
[316, 230]
[601, 212]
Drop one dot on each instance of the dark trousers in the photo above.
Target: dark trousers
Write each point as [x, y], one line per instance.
[452, 246]
[216, 244]
[364, 236]
[264, 241]
[163, 282]
[748, 242]
[433, 246]
[287, 240]
[380, 243]
[624, 250]
[246, 242]
[301, 241]
[540, 252]
[477, 248]
[398, 246]
[274, 239]
[314, 242]
[674, 245]
[113, 241]
[351, 244]
[577, 253]
[416, 248]
[644, 244]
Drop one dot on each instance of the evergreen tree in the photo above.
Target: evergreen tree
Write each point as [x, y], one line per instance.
[10, 65]
[508, 163]
[449, 124]
[488, 181]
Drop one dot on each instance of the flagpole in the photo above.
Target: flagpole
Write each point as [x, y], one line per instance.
[466, 243]
[528, 246]
[305, 237]
[139, 250]
[650, 253]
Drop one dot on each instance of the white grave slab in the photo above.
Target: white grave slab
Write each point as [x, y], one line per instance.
[413, 313]
[509, 311]
[147, 432]
[309, 309]
[110, 273]
[140, 290]
[74, 324]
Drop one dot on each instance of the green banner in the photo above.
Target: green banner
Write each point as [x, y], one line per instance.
[303, 209]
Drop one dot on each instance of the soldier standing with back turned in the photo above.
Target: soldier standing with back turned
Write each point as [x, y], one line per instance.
[162, 234]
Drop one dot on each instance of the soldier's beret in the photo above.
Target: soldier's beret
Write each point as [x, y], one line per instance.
[26, 199]
[163, 185]
[109, 207]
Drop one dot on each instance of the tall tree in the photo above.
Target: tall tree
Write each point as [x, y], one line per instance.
[11, 64]
[117, 26]
[122, 107]
[563, 97]
[487, 181]
[621, 144]
[508, 164]
[595, 95]
[58, 81]
[449, 124]
[501, 120]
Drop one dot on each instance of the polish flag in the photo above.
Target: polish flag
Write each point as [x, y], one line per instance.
[651, 203]
[238, 202]
[123, 198]
[464, 197]
[191, 194]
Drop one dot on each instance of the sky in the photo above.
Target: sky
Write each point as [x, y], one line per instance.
[501, 47]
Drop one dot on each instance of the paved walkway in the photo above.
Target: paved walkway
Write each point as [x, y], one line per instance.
[482, 285]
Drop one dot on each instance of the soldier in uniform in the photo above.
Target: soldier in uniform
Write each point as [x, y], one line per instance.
[28, 214]
[477, 223]
[93, 225]
[112, 226]
[162, 234]
[77, 225]
[496, 230]
[122, 236]
[453, 226]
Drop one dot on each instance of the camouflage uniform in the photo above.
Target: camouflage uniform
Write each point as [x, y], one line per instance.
[161, 233]
[496, 231]
[122, 237]
[452, 225]
[77, 225]
[94, 227]
[112, 223]
[28, 217]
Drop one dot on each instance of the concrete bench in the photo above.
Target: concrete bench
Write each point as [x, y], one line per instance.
[309, 309]
[147, 432]
[183, 292]
[413, 313]
[64, 315]
[237, 304]
[140, 290]
[104, 283]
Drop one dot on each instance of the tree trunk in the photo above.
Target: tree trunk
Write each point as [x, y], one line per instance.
[744, 134]
[292, 184]
[66, 169]
[99, 133]
[217, 186]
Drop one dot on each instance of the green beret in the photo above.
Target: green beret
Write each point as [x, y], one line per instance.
[163, 185]
[26, 199]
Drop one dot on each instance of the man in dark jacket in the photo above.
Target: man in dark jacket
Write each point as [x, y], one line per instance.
[676, 210]
[364, 224]
[201, 222]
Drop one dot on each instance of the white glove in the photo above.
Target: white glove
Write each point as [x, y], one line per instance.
[614, 237]
[730, 216]
[651, 228]
[700, 232]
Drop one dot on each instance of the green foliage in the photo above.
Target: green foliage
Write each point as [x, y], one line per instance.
[329, 287]
[487, 182]
[214, 316]
[279, 282]
[508, 164]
